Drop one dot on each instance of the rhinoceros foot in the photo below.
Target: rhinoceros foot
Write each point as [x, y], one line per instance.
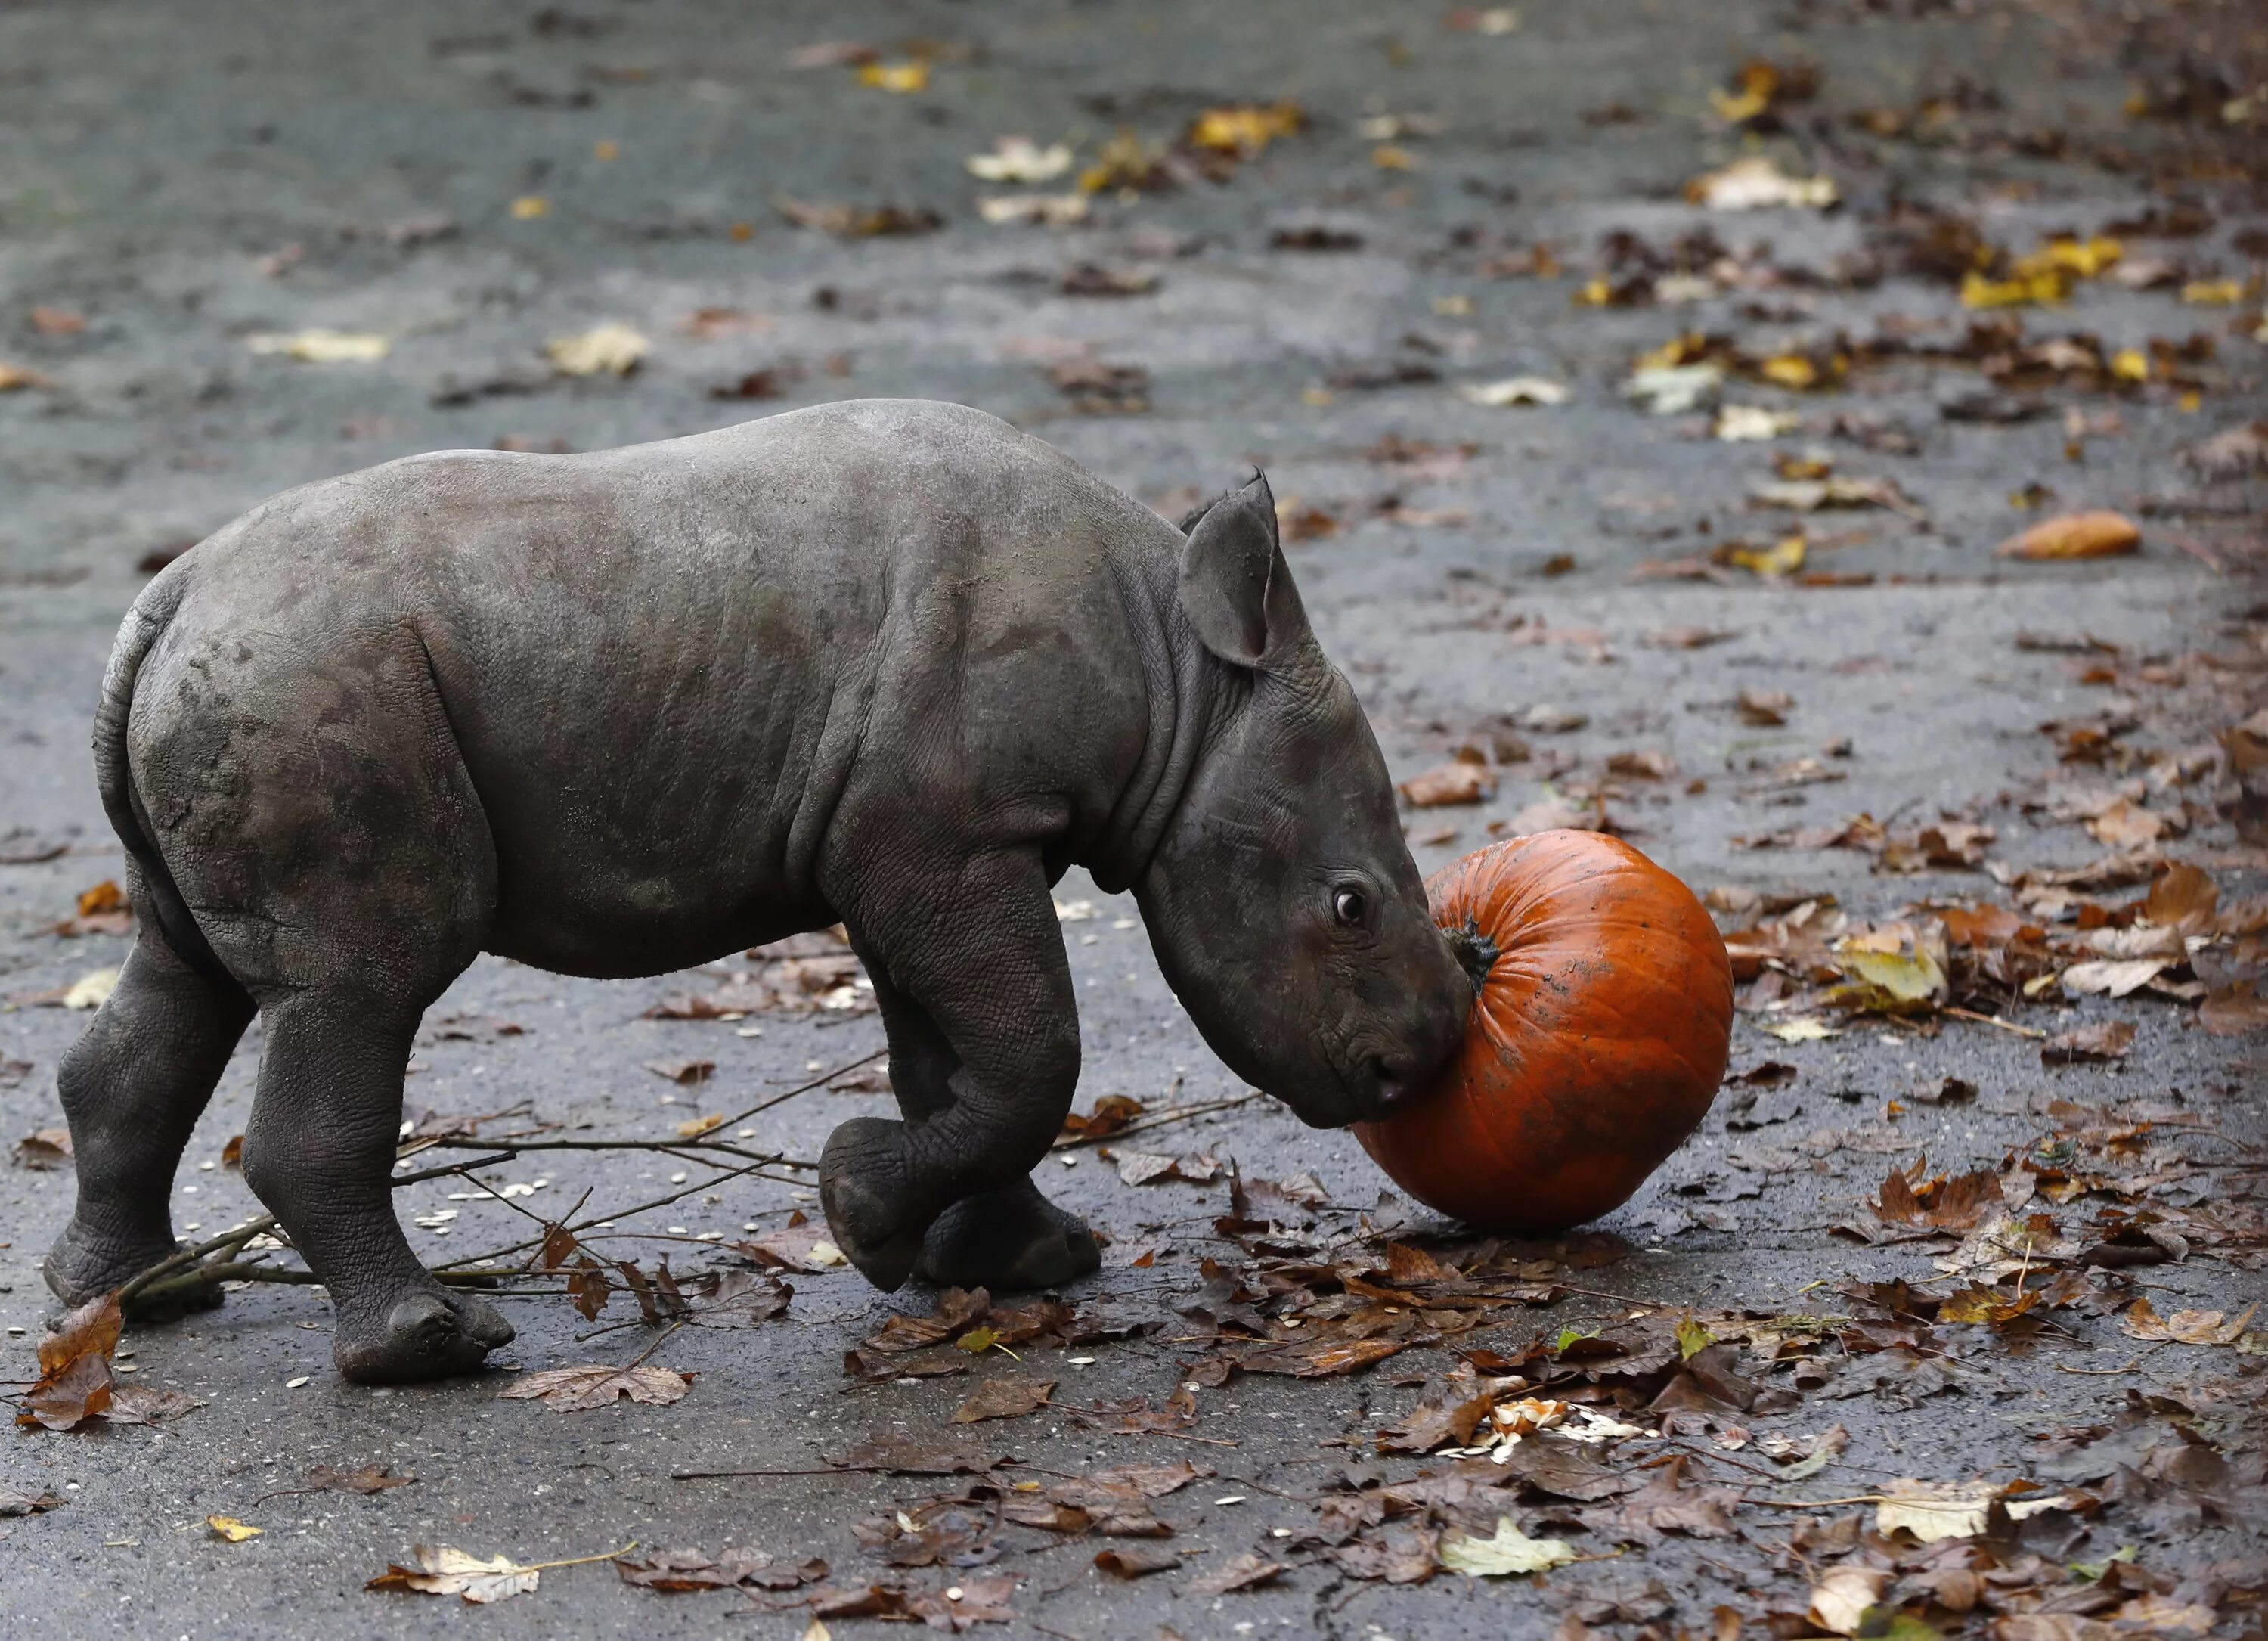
[1006, 1240]
[430, 1334]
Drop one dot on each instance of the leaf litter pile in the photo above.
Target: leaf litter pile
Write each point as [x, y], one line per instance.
[1538, 1420]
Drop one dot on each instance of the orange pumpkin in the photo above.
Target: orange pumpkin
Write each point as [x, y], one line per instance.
[1598, 1039]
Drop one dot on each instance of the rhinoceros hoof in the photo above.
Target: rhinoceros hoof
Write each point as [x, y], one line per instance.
[865, 1220]
[1008, 1239]
[427, 1333]
[82, 1267]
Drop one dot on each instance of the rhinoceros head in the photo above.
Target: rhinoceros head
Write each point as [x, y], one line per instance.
[1282, 901]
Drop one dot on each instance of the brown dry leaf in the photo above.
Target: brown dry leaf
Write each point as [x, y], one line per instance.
[2125, 826]
[1134, 1561]
[1939, 1204]
[1399, 1555]
[681, 1570]
[1764, 708]
[13, 1502]
[2089, 1044]
[47, 1148]
[1245, 1572]
[1667, 1504]
[2234, 1009]
[75, 1378]
[578, 1388]
[2185, 899]
[798, 1246]
[444, 1569]
[688, 1073]
[1004, 1398]
[2233, 452]
[2074, 535]
[2142, 1320]
[1457, 781]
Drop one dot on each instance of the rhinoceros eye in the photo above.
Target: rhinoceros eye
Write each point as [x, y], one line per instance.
[1348, 907]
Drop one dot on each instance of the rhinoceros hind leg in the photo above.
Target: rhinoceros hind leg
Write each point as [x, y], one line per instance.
[133, 1088]
[1008, 1240]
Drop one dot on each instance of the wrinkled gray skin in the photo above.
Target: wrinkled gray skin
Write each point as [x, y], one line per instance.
[890, 663]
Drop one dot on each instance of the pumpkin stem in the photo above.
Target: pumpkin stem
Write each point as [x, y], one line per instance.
[1476, 953]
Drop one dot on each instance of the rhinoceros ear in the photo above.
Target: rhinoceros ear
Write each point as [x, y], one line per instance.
[1236, 590]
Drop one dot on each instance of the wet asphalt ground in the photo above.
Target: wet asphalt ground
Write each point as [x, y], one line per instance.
[181, 180]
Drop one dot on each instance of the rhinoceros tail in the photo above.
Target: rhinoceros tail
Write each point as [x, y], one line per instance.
[152, 612]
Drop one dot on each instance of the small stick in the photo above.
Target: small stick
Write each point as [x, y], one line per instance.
[1156, 1119]
[1991, 1020]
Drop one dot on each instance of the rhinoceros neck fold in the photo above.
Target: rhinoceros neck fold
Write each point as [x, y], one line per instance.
[1174, 670]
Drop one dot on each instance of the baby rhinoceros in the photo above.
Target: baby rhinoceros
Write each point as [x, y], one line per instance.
[887, 663]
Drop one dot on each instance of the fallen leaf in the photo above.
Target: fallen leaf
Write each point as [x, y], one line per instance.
[74, 1376]
[1134, 1561]
[1737, 423]
[1245, 1572]
[1244, 130]
[1841, 1599]
[611, 349]
[1674, 390]
[44, 1148]
[1514, 390]
[1807, 1030]
[230, 1528]
[1004, 1399]
[2088, 1044]
[739, 1566]
[1042, 209]
[1019, 160]
[2074, 535]
[688, 1073]
[14, 1503]
[1757, 183]
[899, 78]
[443, 1570]
[1457, 781]
[323, 347]
[2234, 1009]
[2233, 452]
[2142, 1320]
[1508, 1552]
[2112, 978]
[578, 1388]
[90, 991]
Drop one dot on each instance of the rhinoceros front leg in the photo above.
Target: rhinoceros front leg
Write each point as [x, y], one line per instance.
[1007, 1239]
[985, 1010]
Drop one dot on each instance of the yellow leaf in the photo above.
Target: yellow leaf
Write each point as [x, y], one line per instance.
[2046, 286]
[896, 77]
[2212, 292]
[2131, 364]
[1246, 129]
[2082, 259]
[1784, 557]
[230, 1528]
[1790, 370]
[527, 207]
[320, 346]
[1388, 157]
